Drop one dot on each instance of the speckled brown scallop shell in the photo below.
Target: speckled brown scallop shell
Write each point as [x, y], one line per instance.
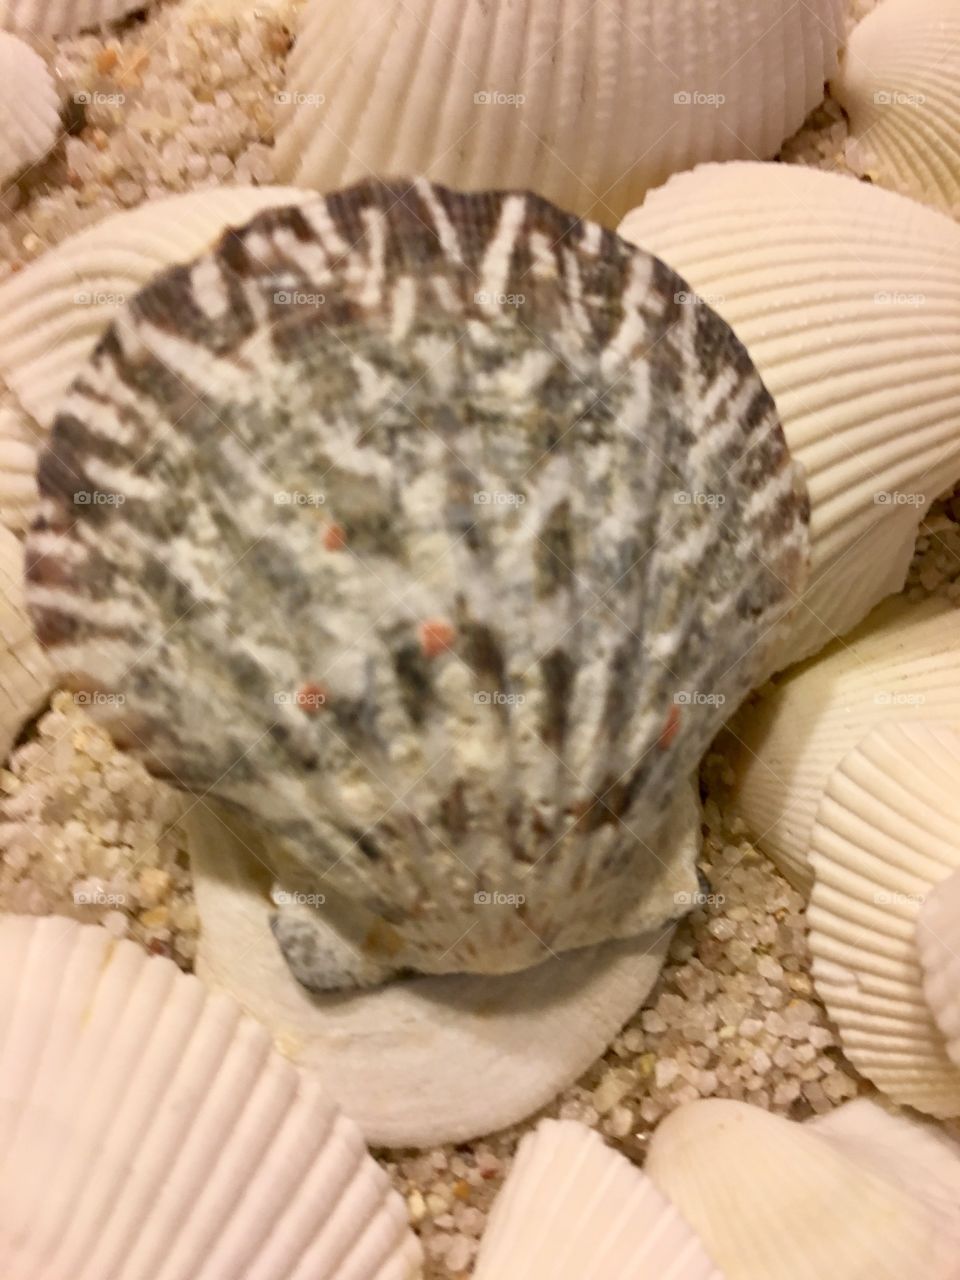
[435, 533]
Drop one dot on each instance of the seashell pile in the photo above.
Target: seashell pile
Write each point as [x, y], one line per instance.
[848, 299]
[381, 557]
[148, 1129]
[898, 83]
[587, 105]
[360, 538]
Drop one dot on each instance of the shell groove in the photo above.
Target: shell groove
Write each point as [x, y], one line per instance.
[29, 108]
[572, 1207]
[898, 83]
[885, 835]
[54, 310]
[901, 665]
[938, 944]
[865, 1196]
[149, 1132]
[585, 104]
[848, 299]
[26, 677]
[382, 505]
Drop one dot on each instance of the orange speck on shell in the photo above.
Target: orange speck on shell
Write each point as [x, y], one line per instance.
[670, 727]
[311, 697]
[436, 636]
[107, 59]
[335, 537]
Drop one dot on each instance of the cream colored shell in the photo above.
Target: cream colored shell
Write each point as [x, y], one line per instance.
[873, 1199]
[586, 104]
[899, 83]
[149, 1132]
[26, 679]
[53, 312]
[901, 665]
[847, 298]
[29, 108]
[573, 1208]
[429, 1059]
[938, 945]
[887, 833]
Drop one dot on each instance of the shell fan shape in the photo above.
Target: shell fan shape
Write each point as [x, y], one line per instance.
[848, 299]
[900, 666]
[899, 82]
[148, 1131]
[857, 1194]
[572, 1208]
[587, 105]
[938, 944]
[393, 495]
[29, 107]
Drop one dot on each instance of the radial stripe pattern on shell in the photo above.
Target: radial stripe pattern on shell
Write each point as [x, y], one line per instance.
[436, 534]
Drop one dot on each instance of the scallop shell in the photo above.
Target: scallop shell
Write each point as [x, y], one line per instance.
[770, 1197]
[886, 833]
[29, 108]
[848, 300]
[425, 1060]
[26, 678]
[585, 104]
[43, 18]
[902, 664]
[938, 944]
[367, 519]
[18, 469]
[149, 1132]
[572, 1207]
[53, 311]
[898, 83]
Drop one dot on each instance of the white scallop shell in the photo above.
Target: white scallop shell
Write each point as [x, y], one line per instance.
[902, 664]
[53, 312]
[572, 1207]
[429, 1059]
[26, 679]
[149, 1132]
[63, 17]
[899, 82]
[29, 108]
[18, 467]
[938, 944]
[585, 104]
[847, 298]
[770, 1197]
[887, 831]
